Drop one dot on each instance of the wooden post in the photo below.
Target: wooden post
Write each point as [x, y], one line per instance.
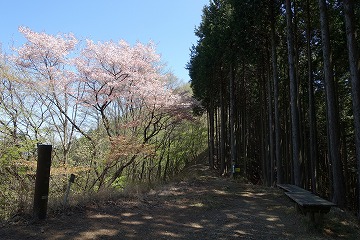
[42, 181]
[71, 180]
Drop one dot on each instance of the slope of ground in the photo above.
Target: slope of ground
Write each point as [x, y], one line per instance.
[200, 206]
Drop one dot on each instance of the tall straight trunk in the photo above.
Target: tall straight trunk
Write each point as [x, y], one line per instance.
[332, 111]
[211, 143]
[295, 129]
[266, 127]
[222, 130]
[244, 121]
[264, 140]
[217, 136]
[288, 148]
[313, 148]
[271, 131]
[279, 165]
[233, 157]
[355, 81]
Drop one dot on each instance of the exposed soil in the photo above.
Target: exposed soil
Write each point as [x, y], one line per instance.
[201, 206]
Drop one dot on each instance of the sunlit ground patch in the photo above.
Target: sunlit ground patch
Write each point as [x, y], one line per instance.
[128, 214]
[98, 233]
[272, 219]
[194, 225]
[241, 233]
[199, 204]
[101, 216]
[170, 234]
[132, 222]
[220, 192]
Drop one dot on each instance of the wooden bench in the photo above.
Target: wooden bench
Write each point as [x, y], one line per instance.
[292, 188]
[307, 202]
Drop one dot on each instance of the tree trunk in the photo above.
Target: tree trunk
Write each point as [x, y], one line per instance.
[313, 147]
[211, 136]
[279, 164]
[217, 139]
[332, 111]
[233, 157]
[271, 131]
[263, 140]
[295, 129]
[266, 129]
[355, 81]
[222, 131]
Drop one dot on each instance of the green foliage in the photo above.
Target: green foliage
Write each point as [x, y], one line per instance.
[17, 176]
[12, 153]
[119, 183]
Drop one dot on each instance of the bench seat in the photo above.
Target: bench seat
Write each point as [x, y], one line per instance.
[310, 202]
[291, 188]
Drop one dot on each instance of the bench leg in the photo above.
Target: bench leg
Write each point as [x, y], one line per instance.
[298, 209]
[312, 216]
[317, 218]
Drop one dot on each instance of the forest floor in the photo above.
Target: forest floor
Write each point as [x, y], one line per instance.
[199, 206]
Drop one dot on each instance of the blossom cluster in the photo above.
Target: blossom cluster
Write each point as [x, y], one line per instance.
[105, 70]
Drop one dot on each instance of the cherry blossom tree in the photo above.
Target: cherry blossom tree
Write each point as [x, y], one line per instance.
[125, 82]
[116, 71]
[119, 87]
[47, 67]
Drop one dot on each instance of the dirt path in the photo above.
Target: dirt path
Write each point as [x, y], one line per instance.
[202, 207]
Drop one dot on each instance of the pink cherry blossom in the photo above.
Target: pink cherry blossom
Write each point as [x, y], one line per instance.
[46, 56]
[117, 70]
[106, 71]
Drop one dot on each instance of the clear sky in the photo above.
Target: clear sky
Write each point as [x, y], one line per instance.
[168, 23]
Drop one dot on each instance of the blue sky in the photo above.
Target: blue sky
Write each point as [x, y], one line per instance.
[168, 23]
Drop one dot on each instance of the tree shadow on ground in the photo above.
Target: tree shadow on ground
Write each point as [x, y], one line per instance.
[202, 207]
